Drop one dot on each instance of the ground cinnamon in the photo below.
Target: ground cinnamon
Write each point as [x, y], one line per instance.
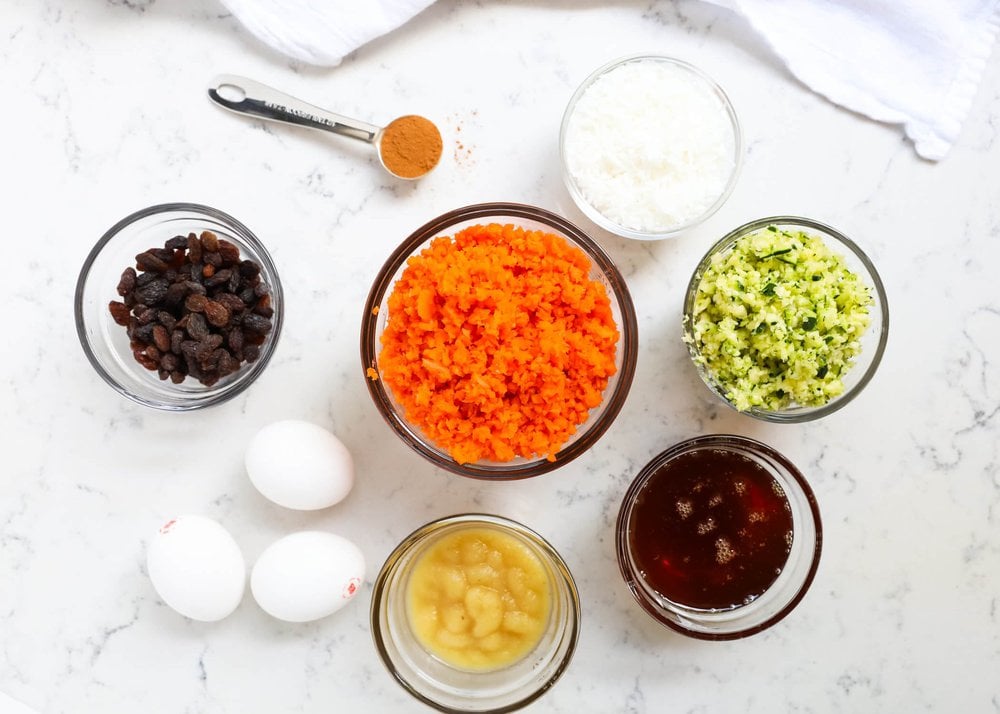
[410, 146]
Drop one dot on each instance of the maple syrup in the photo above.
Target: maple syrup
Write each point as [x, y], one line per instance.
[710, 529]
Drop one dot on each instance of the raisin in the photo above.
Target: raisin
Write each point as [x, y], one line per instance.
[161, 338]
[193, 308]
[150, 261]
[119, 312]
[153, 293]
[169, 361]
[231, 302]
[195, 303]
[229, 252]
[209, 241]
[175, 293]
[249, 269]
[127, 282]
[216, 313]
[176, 242]
[197, 327]
[194, 249]
[257, 324]
[227, 363]
[144, 333]
[220, 277]
[166, 319]
[235, 339]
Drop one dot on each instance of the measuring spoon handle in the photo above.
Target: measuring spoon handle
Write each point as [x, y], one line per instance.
[253, 99]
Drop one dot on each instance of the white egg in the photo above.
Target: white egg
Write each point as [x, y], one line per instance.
[197, 568]
[299, 465]
[307, 575]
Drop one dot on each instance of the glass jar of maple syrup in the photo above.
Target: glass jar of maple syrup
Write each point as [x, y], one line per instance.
[719, 537]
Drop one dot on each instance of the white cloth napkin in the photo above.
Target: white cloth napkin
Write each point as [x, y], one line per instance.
[321, 32]
[917, 63]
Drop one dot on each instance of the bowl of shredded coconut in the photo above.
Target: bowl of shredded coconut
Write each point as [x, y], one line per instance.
[650, 147]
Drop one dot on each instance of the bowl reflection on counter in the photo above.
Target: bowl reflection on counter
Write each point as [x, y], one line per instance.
[603, 270]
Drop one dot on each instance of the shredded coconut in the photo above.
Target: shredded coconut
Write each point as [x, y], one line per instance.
[650, 145]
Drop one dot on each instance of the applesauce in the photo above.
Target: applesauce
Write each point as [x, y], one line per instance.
[478, 599]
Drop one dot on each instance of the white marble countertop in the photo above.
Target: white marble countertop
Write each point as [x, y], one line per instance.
[104, 112]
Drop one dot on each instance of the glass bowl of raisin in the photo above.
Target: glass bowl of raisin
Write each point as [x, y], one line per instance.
[178, 307]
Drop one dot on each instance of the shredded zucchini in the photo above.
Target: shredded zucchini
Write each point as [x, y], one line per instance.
[778, 320]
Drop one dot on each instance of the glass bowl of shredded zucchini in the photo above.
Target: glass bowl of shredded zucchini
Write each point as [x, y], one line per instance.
[786, 319]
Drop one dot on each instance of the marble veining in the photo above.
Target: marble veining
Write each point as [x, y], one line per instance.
[106, 113]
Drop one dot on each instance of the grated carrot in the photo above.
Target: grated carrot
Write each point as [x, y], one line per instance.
[498, 343]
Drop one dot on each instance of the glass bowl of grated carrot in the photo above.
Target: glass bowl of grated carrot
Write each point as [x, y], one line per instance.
[499, 341]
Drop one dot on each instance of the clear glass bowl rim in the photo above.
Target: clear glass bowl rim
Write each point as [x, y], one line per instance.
[628, 340]
[599, 218]
[472, 519]
[796, 414]
[234, 388]
[717, 441]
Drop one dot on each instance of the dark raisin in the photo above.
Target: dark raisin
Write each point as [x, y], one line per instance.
[176, 338]
[257, 324]
[176, 242]
[169, 361]
[166, 319]
[251, 353]
[119, 312]
[214, 259]
[176, 377]
[227, 363]
[150, 261]
[175, 293]
[261, 289]
[146, 316]
[229, 252]
[195, 303]
[247, 296]
[220, 277]
[162, 373]
[197, 327]
[144, 333]
[249, 269]
[144, 279]
[127, 282]
[153, 293]
[194, 248]
[216, 313]
[146, 361]
[195, 287]
[235, 339]
[161, 338]
[231, 302]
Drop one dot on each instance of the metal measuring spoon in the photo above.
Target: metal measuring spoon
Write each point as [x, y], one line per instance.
[250, 98]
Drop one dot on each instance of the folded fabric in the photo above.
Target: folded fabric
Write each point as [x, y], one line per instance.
[321, 32]
[917, 63]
